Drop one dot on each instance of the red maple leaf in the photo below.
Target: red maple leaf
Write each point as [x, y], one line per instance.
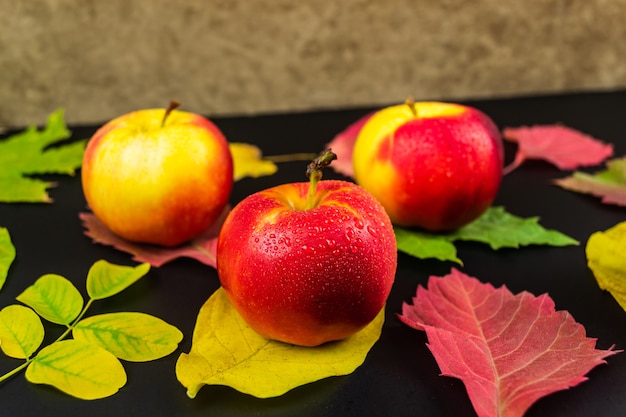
[509, 350]
[203, 248]
[562, 146]
[343, 144]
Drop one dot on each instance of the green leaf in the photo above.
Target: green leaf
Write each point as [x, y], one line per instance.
[80, 369]
[225, 351]
[21, 331]
[29, 153]
[54, 298]
[425, 245]
[500, 229]
[495, 227]
[105, 279]
[7, 255]
[135, 337]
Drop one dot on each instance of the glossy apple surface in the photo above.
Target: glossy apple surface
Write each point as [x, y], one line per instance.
[154, 183]
[307, 275]
[433, 165]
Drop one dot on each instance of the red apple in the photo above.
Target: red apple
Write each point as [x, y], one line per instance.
[433, 165]
[307, 263]
[157, 176]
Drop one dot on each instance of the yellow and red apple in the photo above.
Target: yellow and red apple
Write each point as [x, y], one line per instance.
[159, 176]
[432, 165]
[307, 265]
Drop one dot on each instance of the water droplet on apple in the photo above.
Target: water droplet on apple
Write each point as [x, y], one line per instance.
[272, 236]
[256, 240]
[331, 243]
[358, 223]
[372, 231]
[349, 234]
[308, 249]
[287, 241]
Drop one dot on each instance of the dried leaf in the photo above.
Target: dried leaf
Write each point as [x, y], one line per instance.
[29, 153]
[562, 146]
[21, 331]
[134, 337]
[609, 184]
[496, 228]
[225, 351]
[606, 257]
[7, 255]
[80, 369]
[248, 162]
[54, 298]
[509, 350]
[202, 248]
[105, 279]
[342, 145]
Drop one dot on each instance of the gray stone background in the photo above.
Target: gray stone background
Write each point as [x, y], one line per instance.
[100, 59]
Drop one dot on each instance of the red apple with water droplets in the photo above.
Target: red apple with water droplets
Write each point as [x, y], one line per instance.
[433, 165]
[307, 263]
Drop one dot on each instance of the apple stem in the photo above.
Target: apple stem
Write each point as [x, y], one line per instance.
[411, 103]
[174, 104]
[314, 173]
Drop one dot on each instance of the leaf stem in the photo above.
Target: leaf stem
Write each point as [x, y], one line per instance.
[16, 370]
[314, 172]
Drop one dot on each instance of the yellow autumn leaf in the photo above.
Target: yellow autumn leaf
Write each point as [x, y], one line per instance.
[248, 162]
[606, 257]
[80, 369]
[225, 351]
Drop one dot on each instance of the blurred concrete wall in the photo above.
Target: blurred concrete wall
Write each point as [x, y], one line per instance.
[99, 59]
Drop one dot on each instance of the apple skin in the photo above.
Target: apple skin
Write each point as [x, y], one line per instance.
[157, 184]
[307, 276]
[437, 166]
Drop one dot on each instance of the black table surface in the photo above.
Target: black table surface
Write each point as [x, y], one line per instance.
[400, 376]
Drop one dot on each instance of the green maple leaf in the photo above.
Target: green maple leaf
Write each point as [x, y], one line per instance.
[30, 152]
[495, 227]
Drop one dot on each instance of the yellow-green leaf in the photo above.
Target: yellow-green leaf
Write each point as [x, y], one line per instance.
[248, 162]
[7, 254]
[54, 298]
[225, 351]
[606, 257]
[135, 337]
[21, 331]
[105, 279]
[77, 368]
